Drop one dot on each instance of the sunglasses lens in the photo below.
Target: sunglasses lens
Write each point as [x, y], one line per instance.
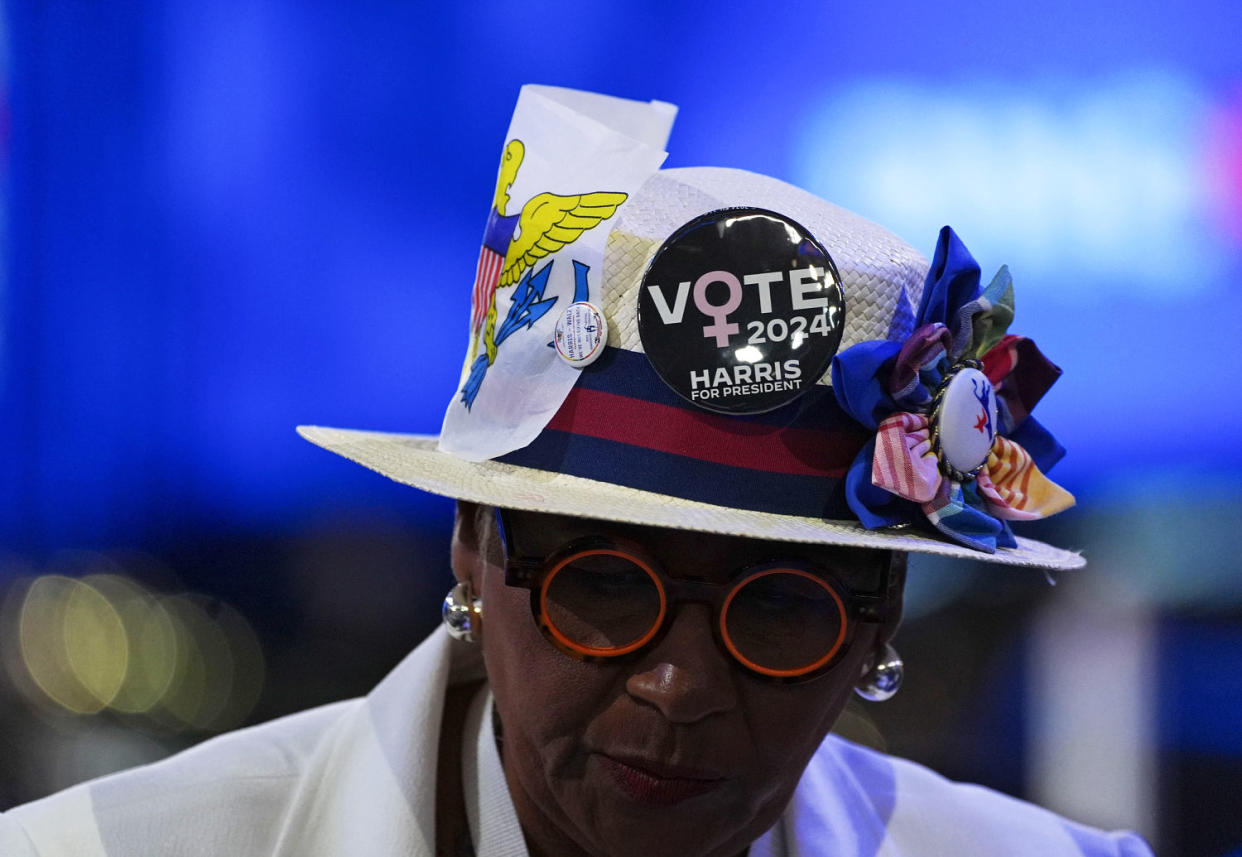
[602, 603]
[784, 622]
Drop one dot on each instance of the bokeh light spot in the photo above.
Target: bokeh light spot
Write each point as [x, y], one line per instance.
[42, 640]
[95, 643]
[152, 642]
[104, 641]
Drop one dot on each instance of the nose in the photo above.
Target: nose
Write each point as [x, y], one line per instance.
[686, 677]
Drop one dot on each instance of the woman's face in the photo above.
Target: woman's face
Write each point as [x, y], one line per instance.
[677, 752]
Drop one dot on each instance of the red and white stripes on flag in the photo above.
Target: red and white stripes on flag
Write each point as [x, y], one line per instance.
[485, 279]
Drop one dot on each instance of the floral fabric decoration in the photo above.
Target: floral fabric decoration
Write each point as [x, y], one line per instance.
[898, 389]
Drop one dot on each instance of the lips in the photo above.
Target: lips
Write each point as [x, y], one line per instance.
[657, 784]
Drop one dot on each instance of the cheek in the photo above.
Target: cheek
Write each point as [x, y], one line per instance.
[546, 699]
[547, 702]
[788, 723]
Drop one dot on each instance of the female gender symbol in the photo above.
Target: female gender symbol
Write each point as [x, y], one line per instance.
[722, 329]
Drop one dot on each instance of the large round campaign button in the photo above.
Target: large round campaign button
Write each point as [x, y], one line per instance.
[741, 310]
[964, 422]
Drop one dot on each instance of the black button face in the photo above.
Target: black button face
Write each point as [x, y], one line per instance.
[741, 311]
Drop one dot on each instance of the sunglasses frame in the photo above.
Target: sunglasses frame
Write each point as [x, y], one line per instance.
[532, 572]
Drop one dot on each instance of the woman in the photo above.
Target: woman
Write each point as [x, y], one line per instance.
[703, 418]
[625, 750]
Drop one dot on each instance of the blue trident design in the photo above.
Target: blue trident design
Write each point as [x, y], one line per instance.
[528, 306]
[983, 395]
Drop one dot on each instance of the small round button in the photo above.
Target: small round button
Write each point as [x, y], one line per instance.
[965, 421]
[580, 334]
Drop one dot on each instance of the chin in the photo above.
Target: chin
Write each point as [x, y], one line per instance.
[623, 814]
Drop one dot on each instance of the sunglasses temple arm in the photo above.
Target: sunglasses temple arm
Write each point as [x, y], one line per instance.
[878, 607]
[519, 571]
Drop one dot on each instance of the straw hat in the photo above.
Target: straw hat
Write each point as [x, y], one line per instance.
[734, 355]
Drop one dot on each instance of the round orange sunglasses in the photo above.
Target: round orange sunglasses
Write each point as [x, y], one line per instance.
[601, 597]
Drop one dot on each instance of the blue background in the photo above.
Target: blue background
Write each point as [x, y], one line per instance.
[229, 218]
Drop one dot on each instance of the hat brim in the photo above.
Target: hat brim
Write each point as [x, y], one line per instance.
[415, 460]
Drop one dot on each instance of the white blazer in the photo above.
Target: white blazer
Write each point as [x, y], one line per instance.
[358, 778]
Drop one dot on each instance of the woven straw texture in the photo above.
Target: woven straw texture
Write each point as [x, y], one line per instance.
[881, 275]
